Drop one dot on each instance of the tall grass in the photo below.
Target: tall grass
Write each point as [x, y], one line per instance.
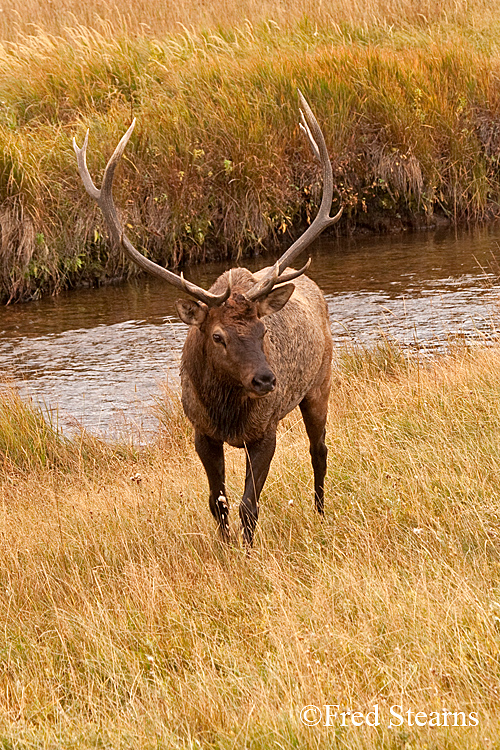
[125, 624]
[31, 439]
[18, 18]
[217, 166]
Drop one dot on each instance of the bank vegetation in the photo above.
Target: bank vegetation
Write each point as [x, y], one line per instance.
[407, 94]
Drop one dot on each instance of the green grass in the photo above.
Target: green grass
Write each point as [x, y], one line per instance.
[217, 166]
[126, 624]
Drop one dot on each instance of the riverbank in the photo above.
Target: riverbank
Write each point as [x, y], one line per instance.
[127, 625]
[217, 167]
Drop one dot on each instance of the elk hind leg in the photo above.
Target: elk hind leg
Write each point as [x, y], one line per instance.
[314, 408]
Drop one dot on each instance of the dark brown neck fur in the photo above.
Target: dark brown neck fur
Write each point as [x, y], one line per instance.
[226, 402]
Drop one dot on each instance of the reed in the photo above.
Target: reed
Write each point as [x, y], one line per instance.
[125, 624]
[217, 166]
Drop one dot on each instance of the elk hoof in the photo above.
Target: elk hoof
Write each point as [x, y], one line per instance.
[224, 532]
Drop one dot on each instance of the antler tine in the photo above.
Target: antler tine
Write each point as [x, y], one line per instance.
[289, 275]
[193, 290]
[310, 127]
[109, 172]
[81, 157]
[305, 129]
[104, 199]
[262, 289]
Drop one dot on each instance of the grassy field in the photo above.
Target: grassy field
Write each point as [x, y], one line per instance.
[126, 624]
[21, 17]
[407, 95]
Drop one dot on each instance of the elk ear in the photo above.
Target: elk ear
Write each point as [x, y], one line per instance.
[275, 300]
[191, 312]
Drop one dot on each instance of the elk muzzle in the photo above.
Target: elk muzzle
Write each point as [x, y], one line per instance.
[263, 382]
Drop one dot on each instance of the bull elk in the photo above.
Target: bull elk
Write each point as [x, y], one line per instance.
[257, 347]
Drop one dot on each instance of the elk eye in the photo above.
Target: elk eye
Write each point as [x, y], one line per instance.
[218, 339]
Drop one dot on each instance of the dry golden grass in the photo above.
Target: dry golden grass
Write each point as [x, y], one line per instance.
[19, 17]
[126, 624]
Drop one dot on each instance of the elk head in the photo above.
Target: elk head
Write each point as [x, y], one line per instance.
[232, 337]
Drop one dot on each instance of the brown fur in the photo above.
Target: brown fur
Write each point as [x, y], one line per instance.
[297, 347]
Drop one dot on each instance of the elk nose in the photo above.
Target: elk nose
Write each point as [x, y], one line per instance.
[264, 382]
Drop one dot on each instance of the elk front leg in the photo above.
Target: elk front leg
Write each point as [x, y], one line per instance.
[211, 453]
[259, 455]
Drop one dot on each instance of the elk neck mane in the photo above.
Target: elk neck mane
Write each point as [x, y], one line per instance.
[226, 403]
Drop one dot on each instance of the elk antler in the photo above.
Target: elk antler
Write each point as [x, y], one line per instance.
[323, 219]
[104, 199]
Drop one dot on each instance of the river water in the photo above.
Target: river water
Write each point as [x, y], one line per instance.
[100, 356]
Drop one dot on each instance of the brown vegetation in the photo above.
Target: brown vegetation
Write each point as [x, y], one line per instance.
[408, 94]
